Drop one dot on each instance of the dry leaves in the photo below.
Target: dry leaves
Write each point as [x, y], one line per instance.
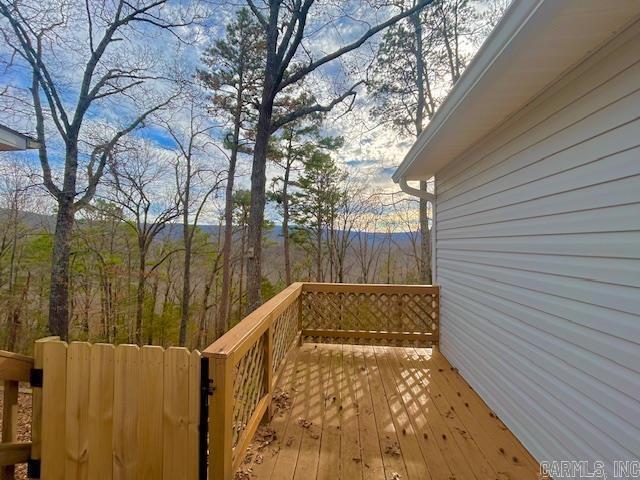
[264, 437]
[282, 400]
[393, 449]
[304, 423]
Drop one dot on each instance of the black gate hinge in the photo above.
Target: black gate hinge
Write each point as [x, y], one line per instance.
[208, 387]
[33, 468]
[36, 378]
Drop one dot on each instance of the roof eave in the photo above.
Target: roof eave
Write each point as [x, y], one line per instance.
[502, 34]
[11, 140]
[535, 43]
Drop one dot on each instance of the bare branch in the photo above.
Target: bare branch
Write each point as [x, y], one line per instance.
[302, 72]
[278, 123]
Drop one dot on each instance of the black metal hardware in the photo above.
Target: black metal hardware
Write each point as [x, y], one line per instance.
[33, 468]
[206, 390]
[36, 378]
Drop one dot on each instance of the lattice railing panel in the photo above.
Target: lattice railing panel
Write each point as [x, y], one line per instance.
[248, 387]
[396, 312]
[285, 329]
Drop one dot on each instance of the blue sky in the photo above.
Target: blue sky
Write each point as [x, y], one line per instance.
[371, 151]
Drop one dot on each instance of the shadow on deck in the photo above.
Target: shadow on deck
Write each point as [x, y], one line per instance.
[363, 412]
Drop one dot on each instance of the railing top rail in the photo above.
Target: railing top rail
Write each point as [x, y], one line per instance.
[367, 288]
[241, 337]
[14, 366]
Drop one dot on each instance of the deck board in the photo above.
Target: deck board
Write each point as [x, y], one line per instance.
[361, 412]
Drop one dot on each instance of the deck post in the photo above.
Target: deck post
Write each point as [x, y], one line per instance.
[221, 420]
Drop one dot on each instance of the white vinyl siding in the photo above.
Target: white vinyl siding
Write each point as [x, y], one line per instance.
[537, 249]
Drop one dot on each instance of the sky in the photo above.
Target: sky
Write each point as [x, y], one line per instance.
[371, 151]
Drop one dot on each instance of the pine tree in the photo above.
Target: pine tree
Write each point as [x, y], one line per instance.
[234, 66]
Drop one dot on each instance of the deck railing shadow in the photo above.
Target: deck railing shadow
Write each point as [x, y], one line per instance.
[246, 362]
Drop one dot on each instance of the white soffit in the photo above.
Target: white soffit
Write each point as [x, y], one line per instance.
[10, 140]
[533, 45]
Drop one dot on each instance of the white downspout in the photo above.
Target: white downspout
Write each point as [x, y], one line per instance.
[406, 188]
[431, 198]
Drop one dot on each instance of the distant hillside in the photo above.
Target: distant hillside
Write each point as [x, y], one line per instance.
[174, 230]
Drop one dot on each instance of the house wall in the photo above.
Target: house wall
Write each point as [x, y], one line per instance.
[538, 259]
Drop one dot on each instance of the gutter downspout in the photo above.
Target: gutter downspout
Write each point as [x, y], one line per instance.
[406, 188]
[431, 198]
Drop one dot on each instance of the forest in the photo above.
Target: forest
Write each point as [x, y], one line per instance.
[194, 158]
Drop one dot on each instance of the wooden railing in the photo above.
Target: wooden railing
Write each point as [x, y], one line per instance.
[14, 368]
[391, 314]
[244, 367]
[246, 362]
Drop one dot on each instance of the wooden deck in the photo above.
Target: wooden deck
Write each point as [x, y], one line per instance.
[359, 412]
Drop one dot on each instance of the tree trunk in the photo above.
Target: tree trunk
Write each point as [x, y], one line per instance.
[59, 296]
[187, 236]
[222, 323]
[285, 225]
[202, 324]
[259, 168]
[140, 295]
[87, 306]
[424, 264]
[243, 246]
[152, 310]
[319, 255]
[186, 294]
[258, 200]
[165, 304]
[425, 254]
[16, 316]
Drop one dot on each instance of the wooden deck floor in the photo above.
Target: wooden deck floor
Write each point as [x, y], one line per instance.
[357, 412]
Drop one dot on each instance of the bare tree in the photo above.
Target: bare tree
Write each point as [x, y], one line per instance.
[195, 183]
[418, 60]
[137, 185]
[284, 24]
[352, 204]
[367, 246]
[16, 185]
[40, 35]
[233, 72]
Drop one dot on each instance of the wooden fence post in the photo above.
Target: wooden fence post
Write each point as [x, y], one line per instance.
[9, 423]
[54, 400]
[221, 420]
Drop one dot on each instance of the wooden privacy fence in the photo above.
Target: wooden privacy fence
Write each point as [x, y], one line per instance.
[102, 412]
[246, 362]
[117, 412]
[14, 368]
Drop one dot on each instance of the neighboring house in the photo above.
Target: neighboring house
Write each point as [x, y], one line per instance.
[10, 140]
[536, 239]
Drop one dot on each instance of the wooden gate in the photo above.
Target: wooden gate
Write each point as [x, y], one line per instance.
[124, 412]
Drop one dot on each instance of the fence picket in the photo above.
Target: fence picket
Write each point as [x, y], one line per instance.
[126, 449]
[53, 410]
[101, 386]
[151, 408]
[192, 463]
[117, 412]
[77, 410]
[176, 412]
